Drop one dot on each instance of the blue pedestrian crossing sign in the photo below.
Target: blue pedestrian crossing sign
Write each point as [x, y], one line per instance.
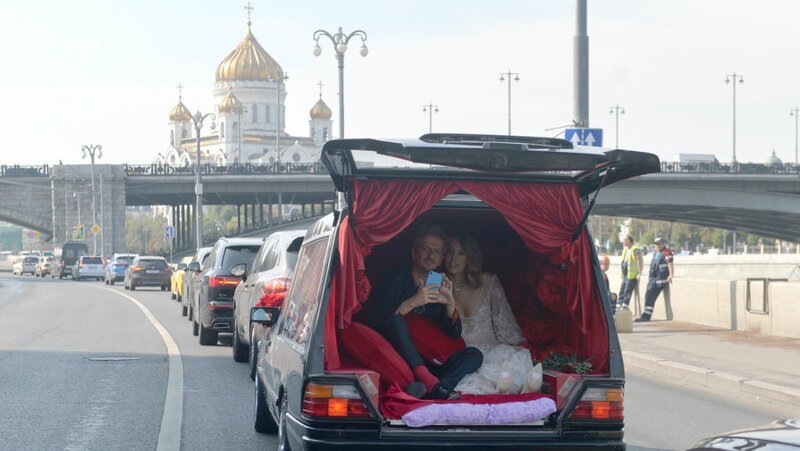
[584, 136]
[169, 231]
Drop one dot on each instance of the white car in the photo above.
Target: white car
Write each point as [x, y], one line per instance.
[88, 266]
[25, 265]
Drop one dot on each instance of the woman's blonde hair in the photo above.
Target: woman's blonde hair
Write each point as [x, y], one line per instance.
[474, 265]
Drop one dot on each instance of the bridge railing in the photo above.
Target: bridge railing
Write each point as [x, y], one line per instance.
[24, 171]
[161, 169]
[728, 168]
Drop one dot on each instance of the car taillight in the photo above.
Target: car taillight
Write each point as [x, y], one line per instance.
[598, 403]
[333, 401]
[273, 293]
[135, 268]
[223, 281]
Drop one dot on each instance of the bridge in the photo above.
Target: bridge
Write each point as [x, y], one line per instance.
[750, 198]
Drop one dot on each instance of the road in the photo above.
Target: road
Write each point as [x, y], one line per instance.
[83, 367]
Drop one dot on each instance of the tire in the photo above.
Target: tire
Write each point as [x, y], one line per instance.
[132, 287]
[184, 310]
[195, 328]
[173, 296]
[241, 351]
[283, 438]
[190, 314]
[165, 288]
[264, 423]
[111, 281]
[207, 337]
[179, 299]
[253, 350]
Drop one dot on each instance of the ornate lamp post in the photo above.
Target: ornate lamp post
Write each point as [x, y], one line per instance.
[430, 109]
[503, 78]
[94, 151]
[197, 120]
[339, 41]
[728, 79]
[617, 110]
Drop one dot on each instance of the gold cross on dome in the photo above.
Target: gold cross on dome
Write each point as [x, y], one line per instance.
[320, 84]
[180, 90]
[249, 8]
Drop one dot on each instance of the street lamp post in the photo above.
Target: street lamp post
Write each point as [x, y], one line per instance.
[728, 79]
[339, 41]
[796, 113]
[430, 109]
[617, 110]
[503, 76]
[197, 120]
[94, 151]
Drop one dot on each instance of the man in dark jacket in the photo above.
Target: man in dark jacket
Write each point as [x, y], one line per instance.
[404, 292]
[661, 272]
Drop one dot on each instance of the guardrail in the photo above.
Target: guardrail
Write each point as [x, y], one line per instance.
[24, 171]
[161, 169]
[728, 168]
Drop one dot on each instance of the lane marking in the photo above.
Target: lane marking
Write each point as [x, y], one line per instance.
[169, 437]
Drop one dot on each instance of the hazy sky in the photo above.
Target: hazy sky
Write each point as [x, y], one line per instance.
[89, 72]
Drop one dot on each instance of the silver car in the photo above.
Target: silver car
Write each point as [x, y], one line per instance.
[88, 267]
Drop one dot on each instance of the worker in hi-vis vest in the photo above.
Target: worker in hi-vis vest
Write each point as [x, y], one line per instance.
[632, 265]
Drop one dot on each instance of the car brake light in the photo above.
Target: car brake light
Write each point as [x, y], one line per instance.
[333, 401]
[273, 293]
[135, 269]
[599, 403]
[223, 281]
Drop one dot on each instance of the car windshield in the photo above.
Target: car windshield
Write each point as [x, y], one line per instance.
[92, 261]
[153, 264]
[123, 260]
[31, 260]
[238, 254]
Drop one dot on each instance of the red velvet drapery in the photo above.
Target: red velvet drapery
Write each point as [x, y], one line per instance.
[544, 216]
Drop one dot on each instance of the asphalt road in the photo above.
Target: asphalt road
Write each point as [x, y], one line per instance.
[83, 367]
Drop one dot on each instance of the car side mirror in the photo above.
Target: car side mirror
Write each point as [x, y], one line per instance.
[193, 266]
[266, 316]
[181, 266]
[239, 270]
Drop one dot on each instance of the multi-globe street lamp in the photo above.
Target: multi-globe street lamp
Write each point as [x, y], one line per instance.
[339, 41]
[197, 120]
[93, 151]
[734, 78]
[796, 113]
[616, 110]
[503, 76]
[430, 109]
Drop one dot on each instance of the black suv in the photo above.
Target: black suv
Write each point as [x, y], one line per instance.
[212, 289]
[525, 201]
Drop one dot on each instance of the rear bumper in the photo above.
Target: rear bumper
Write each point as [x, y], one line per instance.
[217, 315]
[152, 281]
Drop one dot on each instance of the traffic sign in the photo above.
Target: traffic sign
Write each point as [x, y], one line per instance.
[585, 136]
[95, 229]
[169, 231]
[78, 233]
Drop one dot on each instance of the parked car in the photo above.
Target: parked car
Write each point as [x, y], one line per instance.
[43, 266]
[25, 265]
[147, 271]
[115, 269]
[176, 281]
[193, 269]
[88, 267]
[70, 252]
[212, 293]
[320, 370]
[780, 435]
[265, 283]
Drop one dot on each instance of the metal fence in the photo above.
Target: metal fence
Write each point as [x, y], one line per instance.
[231, 169]
[728, 168]
[24, 171]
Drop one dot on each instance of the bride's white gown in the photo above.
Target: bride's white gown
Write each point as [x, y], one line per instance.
[494, 330]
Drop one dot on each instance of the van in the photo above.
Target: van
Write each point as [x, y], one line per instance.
[71, 251]
[525, 200]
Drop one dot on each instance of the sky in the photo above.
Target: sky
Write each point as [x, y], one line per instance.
[105, 72]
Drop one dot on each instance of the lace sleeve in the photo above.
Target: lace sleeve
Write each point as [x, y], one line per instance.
[504, 323]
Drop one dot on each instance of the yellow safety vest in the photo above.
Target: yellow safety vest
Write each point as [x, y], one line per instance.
[629, 255]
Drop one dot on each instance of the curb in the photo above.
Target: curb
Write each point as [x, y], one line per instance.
[712, 379]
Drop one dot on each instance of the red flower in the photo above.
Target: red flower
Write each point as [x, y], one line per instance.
[363, 287]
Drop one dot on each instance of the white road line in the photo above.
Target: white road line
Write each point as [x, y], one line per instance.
[169, 438]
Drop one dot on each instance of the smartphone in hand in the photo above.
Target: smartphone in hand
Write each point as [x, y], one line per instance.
[434, 278]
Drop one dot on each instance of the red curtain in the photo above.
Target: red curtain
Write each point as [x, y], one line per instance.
[544, 215]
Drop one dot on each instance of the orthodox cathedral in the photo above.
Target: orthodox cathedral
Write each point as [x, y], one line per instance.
[250, 113]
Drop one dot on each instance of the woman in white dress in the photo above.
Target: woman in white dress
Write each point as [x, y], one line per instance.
[488, 324]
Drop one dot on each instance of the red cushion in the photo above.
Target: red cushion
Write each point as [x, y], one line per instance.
[431, 342]
[371, 350]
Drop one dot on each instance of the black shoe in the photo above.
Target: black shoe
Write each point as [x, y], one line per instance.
[439, 391]
[641, 319]
[416, 389]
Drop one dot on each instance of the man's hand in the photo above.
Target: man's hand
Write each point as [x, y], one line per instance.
[425, 294]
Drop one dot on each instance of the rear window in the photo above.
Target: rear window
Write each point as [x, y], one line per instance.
[292, 252]
[153, 264]
[238, 254]
[92, 261]
[124, 260]
[31, 260]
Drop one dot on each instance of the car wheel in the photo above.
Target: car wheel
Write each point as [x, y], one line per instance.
[264, 422]
[190, 314]
[111, 281]
[184, 310]
[173, 296]
[165, 288]
[179, 299]
[283, 437]
[240, 350]
[253, 354]
[133, 287]
[195, 328]
[207, 337]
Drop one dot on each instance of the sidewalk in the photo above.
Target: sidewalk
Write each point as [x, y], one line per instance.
[758, 365]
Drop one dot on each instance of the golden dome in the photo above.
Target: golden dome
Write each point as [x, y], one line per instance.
[249, 62]
[230, 104]
[180, 113]
[320, 110]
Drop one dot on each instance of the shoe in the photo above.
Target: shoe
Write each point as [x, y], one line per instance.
[416, 389]
[439, 391]
[641, 320]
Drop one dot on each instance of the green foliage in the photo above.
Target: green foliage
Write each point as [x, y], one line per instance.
[141, 225]
[567, 363]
